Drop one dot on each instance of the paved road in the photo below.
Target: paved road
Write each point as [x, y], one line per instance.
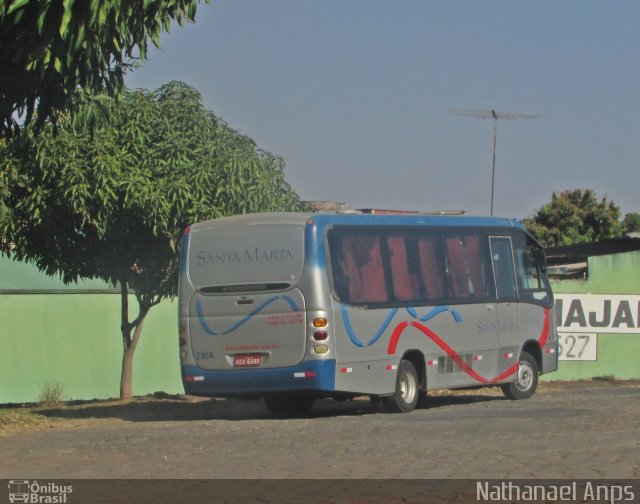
[581, 431]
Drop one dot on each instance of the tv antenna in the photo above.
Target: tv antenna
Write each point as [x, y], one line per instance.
[495, 115]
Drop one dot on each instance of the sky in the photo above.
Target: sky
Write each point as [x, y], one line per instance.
[356, 96]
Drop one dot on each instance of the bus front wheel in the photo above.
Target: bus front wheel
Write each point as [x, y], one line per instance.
[405, 397]
[526, 379]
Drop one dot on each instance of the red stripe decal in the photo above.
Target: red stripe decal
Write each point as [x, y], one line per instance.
[544, 336]
[397, 332]
[507, 373]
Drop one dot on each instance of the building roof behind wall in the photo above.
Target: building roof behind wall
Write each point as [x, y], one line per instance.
[577, 253]
[572, 261]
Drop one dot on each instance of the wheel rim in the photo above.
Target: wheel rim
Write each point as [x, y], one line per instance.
[408, 388]
[525, 376]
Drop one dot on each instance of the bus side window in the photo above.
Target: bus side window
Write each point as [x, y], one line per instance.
[467, 266]
[503, 268]
[364, 268]
[475, 265]
[340, 276]
[405, 284]
[531, 279]
[429, 269]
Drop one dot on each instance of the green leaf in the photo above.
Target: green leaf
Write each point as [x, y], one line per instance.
[66, 17]
[17, 4]
[42, 17]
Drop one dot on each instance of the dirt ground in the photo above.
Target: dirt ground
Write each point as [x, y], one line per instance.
[21, 418]
[574, 430]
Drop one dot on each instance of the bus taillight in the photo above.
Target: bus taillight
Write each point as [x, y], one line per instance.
[320, 322]
[320, 335]
[321, 349]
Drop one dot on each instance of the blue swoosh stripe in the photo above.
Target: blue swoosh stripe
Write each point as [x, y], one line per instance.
[347, 325]
[412, 311]
[383, 327]
[203, 323]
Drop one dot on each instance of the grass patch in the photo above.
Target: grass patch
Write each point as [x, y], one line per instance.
[51, 394]
[606, 378]
[21, 418]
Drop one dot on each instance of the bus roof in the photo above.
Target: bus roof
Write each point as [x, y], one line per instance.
[356, 218]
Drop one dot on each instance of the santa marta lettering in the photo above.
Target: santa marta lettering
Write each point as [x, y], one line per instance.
[248, 255]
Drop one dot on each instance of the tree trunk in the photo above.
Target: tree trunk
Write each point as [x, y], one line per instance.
[126, 381]
[126, 385]
[129, 343]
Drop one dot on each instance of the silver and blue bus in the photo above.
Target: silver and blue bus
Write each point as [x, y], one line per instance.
[291, 307]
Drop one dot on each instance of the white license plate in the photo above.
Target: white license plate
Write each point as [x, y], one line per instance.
[247, 360]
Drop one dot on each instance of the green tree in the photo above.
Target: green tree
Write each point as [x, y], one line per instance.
[110, 200]
[51, 48]
[631, 222]
[575, 216]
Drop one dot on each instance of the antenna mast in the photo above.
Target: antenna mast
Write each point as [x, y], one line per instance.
[492, 114]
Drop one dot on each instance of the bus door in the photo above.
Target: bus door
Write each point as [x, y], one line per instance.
[508, 309]
[472, 341]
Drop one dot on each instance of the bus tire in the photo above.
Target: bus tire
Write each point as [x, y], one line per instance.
[423, 399]
[405, 397]
[288, 405]
[526, 380]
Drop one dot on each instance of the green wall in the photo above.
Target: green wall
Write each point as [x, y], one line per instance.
[74, 339]
[71, 334]
[618, 354]
[610, 274]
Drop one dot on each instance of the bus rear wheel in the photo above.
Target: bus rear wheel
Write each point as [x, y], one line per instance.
[289, 405]
[405, 397]
[526, 379]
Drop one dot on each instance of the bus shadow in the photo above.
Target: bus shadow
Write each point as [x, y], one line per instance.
[453, 400]
[142, 410]
[172, 410]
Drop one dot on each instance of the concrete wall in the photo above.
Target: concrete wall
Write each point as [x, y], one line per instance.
[53, 333]
[74, 339]
[617, 352]
[70, 334]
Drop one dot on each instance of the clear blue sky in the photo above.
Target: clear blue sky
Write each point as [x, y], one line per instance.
[355, 96]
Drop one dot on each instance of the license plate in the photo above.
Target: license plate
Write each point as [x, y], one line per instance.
[247, 360]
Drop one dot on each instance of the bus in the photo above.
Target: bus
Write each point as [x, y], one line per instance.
[291, 307]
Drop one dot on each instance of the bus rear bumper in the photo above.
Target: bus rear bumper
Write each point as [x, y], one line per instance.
[306, 376]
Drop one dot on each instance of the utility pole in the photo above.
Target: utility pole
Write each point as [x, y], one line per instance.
[492, 114]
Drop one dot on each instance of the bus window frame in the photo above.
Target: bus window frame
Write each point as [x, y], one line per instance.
[526, 295]
[514, 271]
[440, 233]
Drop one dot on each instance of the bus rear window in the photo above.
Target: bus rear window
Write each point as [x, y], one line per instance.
[254, 257]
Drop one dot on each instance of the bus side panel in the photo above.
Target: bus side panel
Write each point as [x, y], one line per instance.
[512, 331]
[550, 351]
[362, 364]
[459, 345]
[537, 323]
